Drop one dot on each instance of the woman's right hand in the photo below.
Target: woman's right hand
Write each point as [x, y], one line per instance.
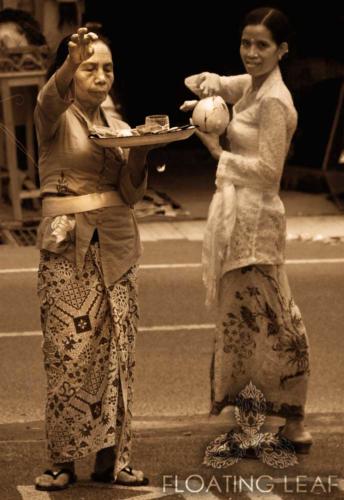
[204, 84]
[80, 45]
[209, 84]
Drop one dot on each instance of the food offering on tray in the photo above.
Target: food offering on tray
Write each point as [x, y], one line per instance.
[150, 133]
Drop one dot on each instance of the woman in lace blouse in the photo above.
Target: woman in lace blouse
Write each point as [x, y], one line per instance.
[260, 336]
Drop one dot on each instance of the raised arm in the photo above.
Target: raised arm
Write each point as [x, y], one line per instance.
[58, 93]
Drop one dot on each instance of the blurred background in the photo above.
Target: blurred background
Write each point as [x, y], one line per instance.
[155, 47]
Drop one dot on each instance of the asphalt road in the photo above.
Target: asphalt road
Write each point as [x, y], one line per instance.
[175, 342]
[173, 359]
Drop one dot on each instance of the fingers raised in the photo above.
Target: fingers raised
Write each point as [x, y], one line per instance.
[80, 45]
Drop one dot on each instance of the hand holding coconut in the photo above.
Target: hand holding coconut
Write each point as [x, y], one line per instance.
[210, 114]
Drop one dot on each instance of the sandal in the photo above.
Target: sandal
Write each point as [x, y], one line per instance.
[136, 477]
[300, 447]
[126, 477]
[51, 480]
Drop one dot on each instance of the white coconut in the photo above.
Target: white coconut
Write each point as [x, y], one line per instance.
[211, 115]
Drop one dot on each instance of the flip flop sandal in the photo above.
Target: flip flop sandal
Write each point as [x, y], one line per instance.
[54, 475]
[131, 472]
[108, 477]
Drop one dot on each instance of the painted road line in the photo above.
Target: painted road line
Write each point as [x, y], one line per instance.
[19, 270]
[186, 265]
[142, 329]
[34, 333]
[288, 261]
[30, 493]
[170, 266]
[262, 496]
[315, 261]
[152, 493]
[20, 441]
[142, 266]
[203, 495]
[175, 328]
[146, 493]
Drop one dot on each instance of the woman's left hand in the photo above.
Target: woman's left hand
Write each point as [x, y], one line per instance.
[211, 142]
[188, 105]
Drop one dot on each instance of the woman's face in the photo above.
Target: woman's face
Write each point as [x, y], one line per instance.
[94, 77]
[259, 52]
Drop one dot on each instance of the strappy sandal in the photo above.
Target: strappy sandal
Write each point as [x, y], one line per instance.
[300, 447]
[53, 476]
[108, 477]
[140, 480]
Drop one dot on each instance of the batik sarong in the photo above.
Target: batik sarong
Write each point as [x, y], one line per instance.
[89, 333]
[260, 338]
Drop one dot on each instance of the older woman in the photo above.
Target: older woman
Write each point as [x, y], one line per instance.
[89, 245]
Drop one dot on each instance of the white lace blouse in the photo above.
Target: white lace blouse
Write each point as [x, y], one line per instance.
[259, 136]
[259, 133]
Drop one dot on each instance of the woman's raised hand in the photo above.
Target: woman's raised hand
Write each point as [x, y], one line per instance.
[80, 45]
[204, 84]
[209, 84]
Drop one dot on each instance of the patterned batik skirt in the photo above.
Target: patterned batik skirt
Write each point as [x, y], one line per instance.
[89, 333]
[260, 338]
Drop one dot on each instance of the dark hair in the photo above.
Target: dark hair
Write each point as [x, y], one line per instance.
[273, 19]
[62, 53]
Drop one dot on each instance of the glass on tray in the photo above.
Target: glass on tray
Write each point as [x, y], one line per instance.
[162, 120]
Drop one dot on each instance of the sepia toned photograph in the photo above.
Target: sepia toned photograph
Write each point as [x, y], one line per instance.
[171, 250]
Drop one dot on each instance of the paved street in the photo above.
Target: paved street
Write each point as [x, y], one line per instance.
[172, 384]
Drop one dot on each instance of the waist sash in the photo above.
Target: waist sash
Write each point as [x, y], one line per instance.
[64, 205]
